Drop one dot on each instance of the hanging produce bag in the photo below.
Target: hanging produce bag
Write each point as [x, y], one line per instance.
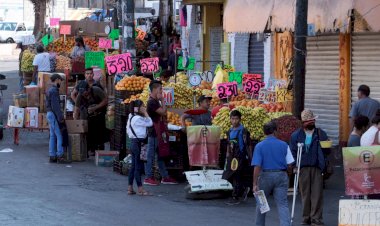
[203, 145]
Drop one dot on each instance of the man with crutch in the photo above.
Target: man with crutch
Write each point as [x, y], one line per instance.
[311, 164]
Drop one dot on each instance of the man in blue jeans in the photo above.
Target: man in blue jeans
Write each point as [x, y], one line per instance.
[156, 110]
[54, 117]
[271, 159]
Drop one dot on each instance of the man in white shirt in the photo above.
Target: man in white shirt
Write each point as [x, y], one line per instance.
[368, 138]
[41, 63]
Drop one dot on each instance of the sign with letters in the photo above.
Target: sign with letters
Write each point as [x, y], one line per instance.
[119, 63]
[54, 21]
[355, 212]
[226, 90]
[149, 65]
[94, 59]
[362, 170]
[105, 43]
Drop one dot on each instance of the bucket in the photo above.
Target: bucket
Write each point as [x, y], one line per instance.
[326, 144]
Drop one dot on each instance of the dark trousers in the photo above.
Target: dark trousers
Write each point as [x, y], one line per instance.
[137, 165]
[311, 187]
[96, 132]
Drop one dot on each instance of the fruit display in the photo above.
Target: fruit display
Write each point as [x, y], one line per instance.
[132, 83]
[174, 118]
[275, 115]
[286, 125]
[63, 62]
[246, 103]
[240, 96]
[205, 85]
[253, 119]
[132, 98]
[182, 78]
[92, 43]
[27, 61]
[222, 119]
[61, 47]
[183, 95]
[272, 107]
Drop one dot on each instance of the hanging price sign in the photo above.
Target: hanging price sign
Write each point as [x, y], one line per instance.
[94, 59]
[227, 89]
[235, 77]
[54, 21]
[252, 77]
[105, 43]
[119, 63]
[281, 95]
[271, 97]
[168, 94]
[149, 65]
[262, 95]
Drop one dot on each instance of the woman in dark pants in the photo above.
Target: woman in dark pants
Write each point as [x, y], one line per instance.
[138, 122]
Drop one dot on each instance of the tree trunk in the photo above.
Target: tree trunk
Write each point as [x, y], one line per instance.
[39, 16]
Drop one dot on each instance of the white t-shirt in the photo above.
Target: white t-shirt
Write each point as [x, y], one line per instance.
[368, 137]
[42, 61]
[289, 157]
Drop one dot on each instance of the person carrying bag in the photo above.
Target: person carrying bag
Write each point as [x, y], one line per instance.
[138, 122]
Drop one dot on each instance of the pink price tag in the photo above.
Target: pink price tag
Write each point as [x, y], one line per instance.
[65, 30]
[105, 43]
[54, 21]
[149, 65]
[119, 63]
[252, 87]
[227, 89]
[255, 77]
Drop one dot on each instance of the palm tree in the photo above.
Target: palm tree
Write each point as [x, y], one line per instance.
[39, 15]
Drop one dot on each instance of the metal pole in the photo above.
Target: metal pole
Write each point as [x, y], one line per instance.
[300, 56]
[296, 178]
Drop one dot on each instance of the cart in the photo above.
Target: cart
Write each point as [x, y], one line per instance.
[203, 148]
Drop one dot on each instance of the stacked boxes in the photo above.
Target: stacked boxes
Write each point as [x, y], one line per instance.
[77, 139]
[31, 117]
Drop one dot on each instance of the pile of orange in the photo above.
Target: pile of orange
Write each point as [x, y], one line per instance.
[273, 107]
[240, 96]
[132, 83]
[174, 118]
[205, 85]
[246, 103]
[132, 98]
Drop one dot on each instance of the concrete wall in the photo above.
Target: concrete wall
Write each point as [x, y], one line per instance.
[191, 37]
[239, 51]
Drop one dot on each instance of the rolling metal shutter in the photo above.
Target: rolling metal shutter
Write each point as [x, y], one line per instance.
[365, 64]
[255, 55]
[322, 82]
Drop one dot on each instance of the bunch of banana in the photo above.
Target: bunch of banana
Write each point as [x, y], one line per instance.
[275, 115]
[222, 119]
[183, 95]
[253, 119]
[27, 61]
[182, 78]
[144, 96]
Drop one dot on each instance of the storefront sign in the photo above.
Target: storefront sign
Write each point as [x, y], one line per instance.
[227, 89]
[149, 65]
[359, 212]
[235, 76]
[362, 170]
[94, 59]
[47, 39]
[54, 21]
[105, 43]
[65, 30]
[119, 63]
[28, 40]
[168, 94]
[190, 63]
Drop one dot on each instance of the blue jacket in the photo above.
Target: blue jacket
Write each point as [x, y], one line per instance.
[315, 155]
[53, 103]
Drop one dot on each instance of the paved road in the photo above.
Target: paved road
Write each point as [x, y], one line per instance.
[34, 192]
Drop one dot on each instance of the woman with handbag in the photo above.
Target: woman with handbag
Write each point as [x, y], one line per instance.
[138, 122]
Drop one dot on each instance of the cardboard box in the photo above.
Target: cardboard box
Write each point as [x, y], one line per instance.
[77, 147]
[105, 158]
[42, 121]
[33, 96]
[31, 117]
[15, 117]
[77, 126]
[44, 82]
[42, 103]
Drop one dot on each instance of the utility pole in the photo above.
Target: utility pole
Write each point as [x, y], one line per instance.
[128, 26]
[300, 57]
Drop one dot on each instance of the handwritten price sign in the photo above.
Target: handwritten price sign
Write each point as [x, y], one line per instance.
[65, 30]
[227, 89]
[94, 59]
[254, 77]
[168, 94]
[262, 95]
[281, 95]
[267, 96]
[54, 21]
[119, 63]
[252, 87]
[105, 43]
[149, 65]
[235, 77]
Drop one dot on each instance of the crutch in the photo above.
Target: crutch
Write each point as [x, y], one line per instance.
[298, 164]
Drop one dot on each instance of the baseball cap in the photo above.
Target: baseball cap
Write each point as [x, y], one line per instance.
[203, 97]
